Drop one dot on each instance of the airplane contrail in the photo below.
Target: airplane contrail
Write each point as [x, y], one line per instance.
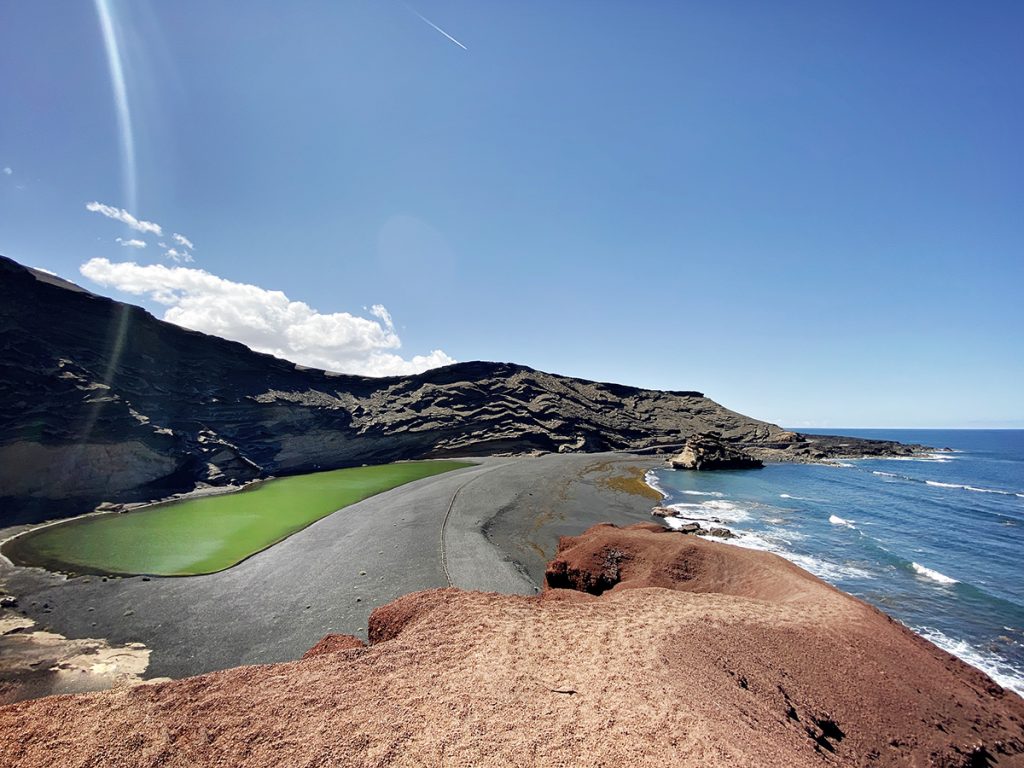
[428, 21]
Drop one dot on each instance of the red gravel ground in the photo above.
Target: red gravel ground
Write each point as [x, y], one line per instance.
[694, 654]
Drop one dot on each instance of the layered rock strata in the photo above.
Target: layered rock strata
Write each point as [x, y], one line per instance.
[708, 451]
[102, 402]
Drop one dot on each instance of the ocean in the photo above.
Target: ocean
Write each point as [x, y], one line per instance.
[936, 541]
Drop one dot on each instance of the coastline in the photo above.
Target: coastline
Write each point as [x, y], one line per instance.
[646, 648]
[290, 595]
[496, 533]
[932, 540]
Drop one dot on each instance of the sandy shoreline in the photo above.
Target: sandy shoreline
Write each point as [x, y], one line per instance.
[497, 536]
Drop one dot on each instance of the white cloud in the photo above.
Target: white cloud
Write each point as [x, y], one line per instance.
[182, 240]
[8, 170]
[133, 243]
[267, 321]
[379, 310]
[179, 256]
[120, 214]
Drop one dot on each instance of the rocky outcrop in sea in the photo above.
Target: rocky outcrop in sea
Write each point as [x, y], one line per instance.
[708, 451]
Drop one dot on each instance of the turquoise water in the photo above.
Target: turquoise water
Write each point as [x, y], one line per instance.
[937, 542]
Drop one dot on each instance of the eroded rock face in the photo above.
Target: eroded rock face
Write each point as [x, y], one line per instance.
[699, 654]
[709, 451]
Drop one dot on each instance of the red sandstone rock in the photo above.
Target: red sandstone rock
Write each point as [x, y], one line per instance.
[333, 644]
[695, 654]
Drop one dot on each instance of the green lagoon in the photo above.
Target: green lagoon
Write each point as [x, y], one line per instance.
[211, 533]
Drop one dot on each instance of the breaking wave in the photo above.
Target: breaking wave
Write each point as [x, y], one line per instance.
[974, 488]
[1000, 670]
[930, 458]
[820, 567]
[951, 486]
[651, 478]
[714, 511]
[935, 576]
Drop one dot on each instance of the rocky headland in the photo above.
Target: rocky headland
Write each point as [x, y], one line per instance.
[100, 402]
[646, 648]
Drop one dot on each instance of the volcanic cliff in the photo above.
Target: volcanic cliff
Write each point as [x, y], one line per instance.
[100, 401]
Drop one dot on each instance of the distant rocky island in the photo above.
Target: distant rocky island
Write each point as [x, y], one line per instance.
[102, 402]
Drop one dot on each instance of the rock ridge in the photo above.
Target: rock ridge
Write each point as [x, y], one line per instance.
[102, 402]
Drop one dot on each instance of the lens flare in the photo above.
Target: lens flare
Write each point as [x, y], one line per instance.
[115, 63]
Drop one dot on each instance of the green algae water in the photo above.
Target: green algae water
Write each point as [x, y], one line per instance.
[211, 533]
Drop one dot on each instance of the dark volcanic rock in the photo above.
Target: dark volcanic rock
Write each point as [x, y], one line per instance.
[100, 401]
[721, 533]
[708, 451]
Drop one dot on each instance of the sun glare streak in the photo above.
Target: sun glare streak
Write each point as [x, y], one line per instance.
[124, 116]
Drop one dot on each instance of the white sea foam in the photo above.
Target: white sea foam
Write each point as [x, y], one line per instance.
[787, 535]
[795, 498]
[718, 504]
[928, 573]
[951, 486]
[703, 493]
[826, 570]
[1004, 673]
[652, 480]
[754, 541]
[837, 520]
[937, 484]
[823, 569]
[933, 458]
[709, 511]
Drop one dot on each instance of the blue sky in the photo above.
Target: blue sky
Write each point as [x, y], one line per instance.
[810, 211]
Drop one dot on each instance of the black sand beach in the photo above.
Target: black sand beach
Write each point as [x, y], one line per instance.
[497, 535]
